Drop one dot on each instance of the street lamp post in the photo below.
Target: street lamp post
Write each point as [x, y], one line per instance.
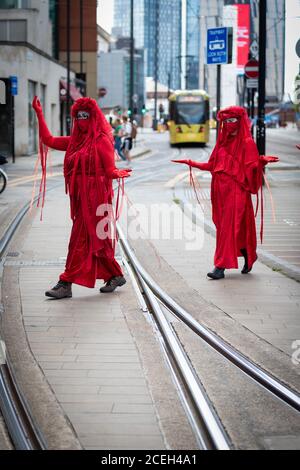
[68, 117]
[156, 63]
[261, 127]
[131, 87]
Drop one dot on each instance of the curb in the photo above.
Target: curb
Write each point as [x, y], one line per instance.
[272, 261]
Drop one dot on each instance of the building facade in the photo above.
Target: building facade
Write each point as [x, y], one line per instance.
[214, 13]
[26, 54]
[192, 43]
[114, 77]
[146, 13]
[89, 40]
[104, 40]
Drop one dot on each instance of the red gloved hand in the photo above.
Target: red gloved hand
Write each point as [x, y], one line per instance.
[123, 173]
[187, 162]
[36, 104]
[269, 159]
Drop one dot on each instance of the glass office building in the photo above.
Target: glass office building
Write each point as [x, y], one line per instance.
[192, 44]
[169, 34]
[211, 15]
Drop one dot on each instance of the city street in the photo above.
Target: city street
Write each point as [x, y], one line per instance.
[149, 230]
[81, 345]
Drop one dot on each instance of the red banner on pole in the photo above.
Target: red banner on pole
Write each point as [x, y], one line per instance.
[243, 34]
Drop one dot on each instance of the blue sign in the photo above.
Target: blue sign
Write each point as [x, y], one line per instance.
[14, 85]
[217, 46]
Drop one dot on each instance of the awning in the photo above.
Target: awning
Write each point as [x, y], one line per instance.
[74, 92]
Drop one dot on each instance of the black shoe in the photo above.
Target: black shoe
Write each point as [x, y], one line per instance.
[112, 284]
[246, 268]
[60, 291]
[217, 273]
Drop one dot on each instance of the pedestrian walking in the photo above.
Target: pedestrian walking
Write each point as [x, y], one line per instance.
[237, 172]
[118, 134]
[89, 169]
[127, 138]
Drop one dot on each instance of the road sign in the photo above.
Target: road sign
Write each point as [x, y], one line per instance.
[254, 48]
[298, 48]
[218, 47]
[14, 85]
[252, 83]
[252, 69]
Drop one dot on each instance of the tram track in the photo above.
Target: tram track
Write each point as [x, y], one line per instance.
[207, 427]
[17, 415]
[156, 298]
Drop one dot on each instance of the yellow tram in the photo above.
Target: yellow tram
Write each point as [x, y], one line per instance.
[189, 117]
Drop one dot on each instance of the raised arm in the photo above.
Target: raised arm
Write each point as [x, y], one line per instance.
[107, 155]
[57, 143]
[205, 166]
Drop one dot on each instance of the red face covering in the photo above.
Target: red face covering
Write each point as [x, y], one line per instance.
[83, 121]
[88, 124]
[231, 127]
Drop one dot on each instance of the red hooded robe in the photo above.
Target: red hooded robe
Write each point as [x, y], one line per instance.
[89, 168]
[237, 172]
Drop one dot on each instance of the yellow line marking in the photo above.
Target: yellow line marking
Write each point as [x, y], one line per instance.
[172, 182]
[28, 179]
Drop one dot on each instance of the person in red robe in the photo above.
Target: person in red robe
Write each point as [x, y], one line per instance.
[237, 172]
[89, 168]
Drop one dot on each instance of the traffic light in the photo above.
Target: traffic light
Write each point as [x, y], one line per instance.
[129, 112]
[144, 110]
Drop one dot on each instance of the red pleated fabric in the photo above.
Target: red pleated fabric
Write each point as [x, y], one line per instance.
[237, 173]
[89, 167]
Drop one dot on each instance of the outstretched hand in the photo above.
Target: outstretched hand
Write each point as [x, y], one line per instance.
[124, 173]
[36, 104]
[187, 162]
[269, 159]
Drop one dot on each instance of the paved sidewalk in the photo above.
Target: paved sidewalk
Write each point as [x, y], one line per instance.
[265, 301]
[83, 344]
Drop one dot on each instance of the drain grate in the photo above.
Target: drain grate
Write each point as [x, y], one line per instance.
[12, 254]
[24, 263]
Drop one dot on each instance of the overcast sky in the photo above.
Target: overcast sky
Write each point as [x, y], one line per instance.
[105, 14]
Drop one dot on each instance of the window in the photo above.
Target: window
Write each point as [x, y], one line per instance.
[3, 30]
[13, 30]
[6, 4]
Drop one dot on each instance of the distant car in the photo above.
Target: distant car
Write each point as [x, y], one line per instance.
[271, 121]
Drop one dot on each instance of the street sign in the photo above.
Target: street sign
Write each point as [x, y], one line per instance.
[218, 47]
[252, 69]
[252, 83]
[298, 48]
[14, 85]
[254, 48]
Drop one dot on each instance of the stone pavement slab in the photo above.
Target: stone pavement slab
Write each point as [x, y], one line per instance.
[265, 301]
[73, 338]
[98, 353]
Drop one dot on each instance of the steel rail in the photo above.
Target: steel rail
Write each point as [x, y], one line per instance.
[260, 376]
[215, 436]
[17, 416]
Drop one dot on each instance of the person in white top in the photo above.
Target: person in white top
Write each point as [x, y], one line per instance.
[127, 138]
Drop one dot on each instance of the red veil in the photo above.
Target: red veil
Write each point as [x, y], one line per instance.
[237, 156]
[243, 162]
[83, 160]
